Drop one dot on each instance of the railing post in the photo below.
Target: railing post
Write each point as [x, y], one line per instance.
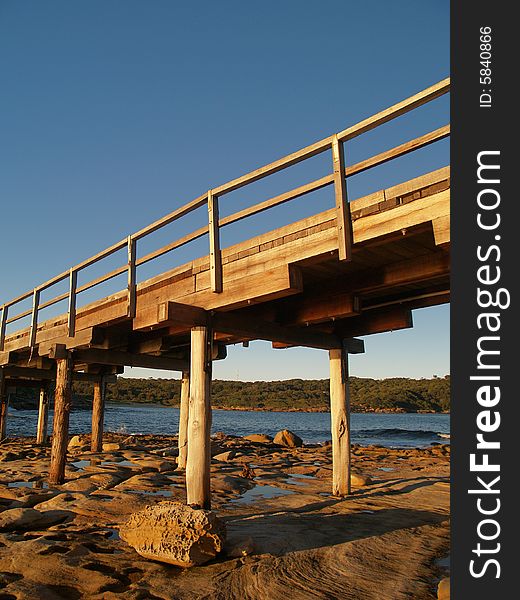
[215, 258]
[34, 317]
[344, 221]
[3, 323]
[43, 415]
[4, 405]
[73, 281]
[131, 278]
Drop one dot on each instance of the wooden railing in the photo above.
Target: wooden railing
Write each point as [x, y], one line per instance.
[340, 172]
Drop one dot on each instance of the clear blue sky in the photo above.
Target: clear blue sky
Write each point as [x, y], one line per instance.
[112, 114]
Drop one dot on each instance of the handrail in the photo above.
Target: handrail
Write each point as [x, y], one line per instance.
[211, 200]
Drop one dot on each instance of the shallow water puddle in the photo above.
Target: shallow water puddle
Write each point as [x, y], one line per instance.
[35, 485]
[81, 464]
[294, 477]
[114, 534]
[260, 492]
[119, 463]
[165, 493]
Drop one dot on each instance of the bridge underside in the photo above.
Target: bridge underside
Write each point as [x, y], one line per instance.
[287, 286]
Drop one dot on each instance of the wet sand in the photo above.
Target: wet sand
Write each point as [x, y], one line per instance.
[288, 538]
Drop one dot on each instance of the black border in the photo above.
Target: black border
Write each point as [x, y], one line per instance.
[475, 129]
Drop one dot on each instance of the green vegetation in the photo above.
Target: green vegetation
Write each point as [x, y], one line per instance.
[398, 394]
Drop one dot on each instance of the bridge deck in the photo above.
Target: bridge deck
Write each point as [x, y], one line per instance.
[290, 276]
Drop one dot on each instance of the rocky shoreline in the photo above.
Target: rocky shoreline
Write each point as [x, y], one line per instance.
[86, 404]
[286, 535]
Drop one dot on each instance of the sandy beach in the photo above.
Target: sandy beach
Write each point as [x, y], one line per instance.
[287, 537]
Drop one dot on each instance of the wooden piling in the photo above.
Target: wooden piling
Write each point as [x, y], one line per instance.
[199, 421]
[340, 422]
[60, 429]
[43, 416]
[183, 421]
[98, 412]
[4, 405]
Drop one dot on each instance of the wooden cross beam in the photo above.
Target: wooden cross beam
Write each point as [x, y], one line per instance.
[369, 322]
[242, 326]
[252, 329]
[22, 373]
[119, 358]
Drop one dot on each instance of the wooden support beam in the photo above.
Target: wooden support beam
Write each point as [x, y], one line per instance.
[14, 384]
[4, 399]
[441, 231]
[353, 346]
[7, 358]
[318, 308]
[116, 357]
[254, 329]
[340, 422]
[175, 313]
[183, 421]
[344, 221]
[199, 421]
[84, 337]
[13, 372]
[43, 416]
[409, 271]
[60, 428]
[98, 412]
[215, 257]
[369, 322]
[71, 316]
[271, 284]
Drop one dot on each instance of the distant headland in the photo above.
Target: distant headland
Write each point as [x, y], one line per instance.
[397, 394]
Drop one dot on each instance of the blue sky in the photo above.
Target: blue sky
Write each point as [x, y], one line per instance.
[112, 114]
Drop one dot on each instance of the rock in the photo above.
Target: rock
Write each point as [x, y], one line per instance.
[150, 464]
[111, 447]
[216, 448]
[24, 519]
[228, 483]
[247, 472]
[225, 456]
[303, 470]
[259, 438]
[443, 589]
[168, 451]
[80, 485]
[76, 443]
[65, 501]
[288, 439]
[176, 534]
[105, 480]
[358, 480]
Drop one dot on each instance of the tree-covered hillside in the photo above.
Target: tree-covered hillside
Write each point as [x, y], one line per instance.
[400, 394]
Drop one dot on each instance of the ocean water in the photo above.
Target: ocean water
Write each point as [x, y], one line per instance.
[393, 430]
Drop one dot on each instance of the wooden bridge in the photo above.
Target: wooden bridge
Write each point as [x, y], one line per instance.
[357, 269]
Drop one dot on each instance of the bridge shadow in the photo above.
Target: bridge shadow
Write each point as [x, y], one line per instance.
[280, 533]
[405, 486]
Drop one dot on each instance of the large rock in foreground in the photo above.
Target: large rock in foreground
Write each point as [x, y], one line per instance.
[176, 534]
[288, 439]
